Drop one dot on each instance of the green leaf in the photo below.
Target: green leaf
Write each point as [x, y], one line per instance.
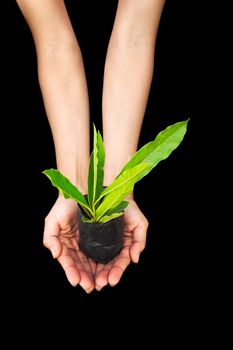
[100, 166]
[67, 188]
[109, 217]
[125, 178]
[90, 180]
[159, 149]
[117, 209]
[96, 169]
[92, 172]
[91, 221]
[119, 188]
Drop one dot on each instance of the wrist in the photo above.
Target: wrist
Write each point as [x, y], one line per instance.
[109, 177]
[130, 197]
[78, 177]
[113, 168]
[73, 162]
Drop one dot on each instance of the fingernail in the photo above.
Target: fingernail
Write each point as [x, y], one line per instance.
[137, 258]
[88, 291]
[53, 252]
[98, 289]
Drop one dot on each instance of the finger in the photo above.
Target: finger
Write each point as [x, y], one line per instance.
[50, 239]
[70, 269]
[135, 251]
[101, 279]
[139, 241]
[93, 266]
[119, 266]
[86, 276]
[86, 283]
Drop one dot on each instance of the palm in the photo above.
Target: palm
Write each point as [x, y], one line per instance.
[61, 237]
[135, 228]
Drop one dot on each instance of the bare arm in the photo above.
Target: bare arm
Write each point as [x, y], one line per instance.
[127, 79]
[64, 89]
[63, 85]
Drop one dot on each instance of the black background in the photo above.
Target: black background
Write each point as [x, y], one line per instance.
[166, 282]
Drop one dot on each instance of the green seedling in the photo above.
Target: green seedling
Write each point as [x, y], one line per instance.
[104, 204]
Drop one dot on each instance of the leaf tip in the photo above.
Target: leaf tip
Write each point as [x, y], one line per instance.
[48, 172]
[94, 127]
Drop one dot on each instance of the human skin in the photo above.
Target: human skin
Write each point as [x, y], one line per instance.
[64, 90]
[127, 79]
[63, 85]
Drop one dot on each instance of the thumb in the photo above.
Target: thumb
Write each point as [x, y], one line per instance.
[50, 239]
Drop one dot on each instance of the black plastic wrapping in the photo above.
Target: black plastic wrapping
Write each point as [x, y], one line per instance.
[101, 242]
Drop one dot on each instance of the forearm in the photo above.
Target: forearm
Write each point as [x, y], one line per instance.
[126, 87]
[128, 74]
[64, 90]
[63, 85]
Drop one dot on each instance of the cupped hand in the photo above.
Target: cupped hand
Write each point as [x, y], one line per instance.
[135, 232]
[61, 237]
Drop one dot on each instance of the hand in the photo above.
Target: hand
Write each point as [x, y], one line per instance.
[61, 237]
[135, 231]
